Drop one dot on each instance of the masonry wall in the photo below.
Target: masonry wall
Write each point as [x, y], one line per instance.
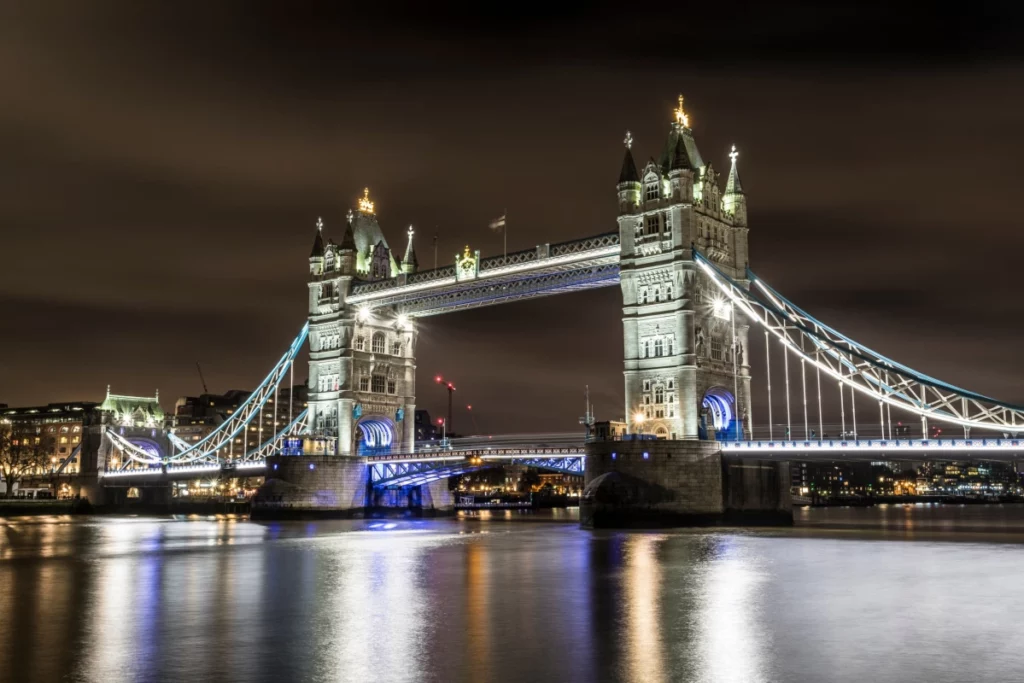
[312, 483]
[679, 483]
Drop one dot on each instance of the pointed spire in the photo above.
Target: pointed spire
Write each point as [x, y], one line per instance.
[733, 185]
[680, 158]
[409, 263]
[348, 241]
[318, 241]
[628, 173]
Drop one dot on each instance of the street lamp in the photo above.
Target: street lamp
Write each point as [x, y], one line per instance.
[638, 420]
[444, 431]
[451, 389]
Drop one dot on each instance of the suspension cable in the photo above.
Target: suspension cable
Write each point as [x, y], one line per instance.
[768, 366]
[789, 421]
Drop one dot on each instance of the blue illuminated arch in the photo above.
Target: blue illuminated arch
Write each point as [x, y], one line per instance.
[150, 447]
[376, 435]
[721, 405]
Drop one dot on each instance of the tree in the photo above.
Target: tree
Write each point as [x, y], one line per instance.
[21, 453]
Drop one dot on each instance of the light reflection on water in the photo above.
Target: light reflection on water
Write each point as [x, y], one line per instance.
[850, 596]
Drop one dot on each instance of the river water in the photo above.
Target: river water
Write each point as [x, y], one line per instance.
[897, 593]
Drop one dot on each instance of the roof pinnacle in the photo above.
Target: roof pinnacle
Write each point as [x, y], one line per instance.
[681, 118]
[628, 141]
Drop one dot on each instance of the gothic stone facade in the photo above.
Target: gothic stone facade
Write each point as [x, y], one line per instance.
[681, 341]
[362, 368]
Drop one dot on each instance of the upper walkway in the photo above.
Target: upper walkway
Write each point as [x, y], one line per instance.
[548, 269]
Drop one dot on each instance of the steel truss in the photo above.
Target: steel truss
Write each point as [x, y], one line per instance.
[580, 264]
[214, 446]
[399, 473]
[856, 366]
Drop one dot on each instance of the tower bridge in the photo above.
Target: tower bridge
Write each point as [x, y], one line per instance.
[689, 301]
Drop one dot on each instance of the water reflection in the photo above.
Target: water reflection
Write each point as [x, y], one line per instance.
[467, 600]
[731, 637]
[645, 655]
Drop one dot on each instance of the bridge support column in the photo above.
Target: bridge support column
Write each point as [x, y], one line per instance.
[312, 486]
[650, 484]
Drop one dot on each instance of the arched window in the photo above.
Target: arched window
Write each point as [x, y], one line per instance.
[651, 191]
[659, 394]
[669, 342]
[378, 342]
[643, 295]
[646, 349]
[658, 348]
[668, 291]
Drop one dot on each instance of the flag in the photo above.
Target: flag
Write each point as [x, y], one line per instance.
[498, 224]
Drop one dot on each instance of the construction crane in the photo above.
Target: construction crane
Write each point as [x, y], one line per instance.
[205, 390]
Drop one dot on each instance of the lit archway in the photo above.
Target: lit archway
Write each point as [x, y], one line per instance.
[721, 409]
[374, 435]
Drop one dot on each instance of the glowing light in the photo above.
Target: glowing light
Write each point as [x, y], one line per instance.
[363, 314]
[628, 141]
[733, 155]
[404, 322]
[681, 117]
[721, 308]
[365, 205]
[639, 417]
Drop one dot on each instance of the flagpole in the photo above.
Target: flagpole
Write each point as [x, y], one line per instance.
[435, 249]
[504, 233]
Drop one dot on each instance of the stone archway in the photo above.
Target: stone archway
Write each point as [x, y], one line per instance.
[375, 434]
[719, 414]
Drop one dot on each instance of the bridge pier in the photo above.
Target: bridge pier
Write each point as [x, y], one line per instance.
[338, 486]
[650, 484]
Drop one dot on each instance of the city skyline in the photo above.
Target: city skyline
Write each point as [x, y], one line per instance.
[184, 229]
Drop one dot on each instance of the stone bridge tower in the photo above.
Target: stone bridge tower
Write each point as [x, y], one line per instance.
[362, 368]
[686, 363]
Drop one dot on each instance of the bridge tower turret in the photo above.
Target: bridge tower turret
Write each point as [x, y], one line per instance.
[362, 370]
[686, 371]
[629, 181]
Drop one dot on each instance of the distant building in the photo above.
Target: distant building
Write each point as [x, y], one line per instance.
[63, 424]
[426, 430]
[195, 417]
[608, 430]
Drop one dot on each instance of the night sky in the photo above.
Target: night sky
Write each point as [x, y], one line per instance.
[163, 167]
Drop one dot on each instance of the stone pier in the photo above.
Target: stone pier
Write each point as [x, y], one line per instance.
[643, 484]
[339, 486]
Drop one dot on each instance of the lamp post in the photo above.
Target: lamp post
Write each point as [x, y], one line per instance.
[451, 389]
[444, 432]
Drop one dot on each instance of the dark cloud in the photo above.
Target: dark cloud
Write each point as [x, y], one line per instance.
[164, 164]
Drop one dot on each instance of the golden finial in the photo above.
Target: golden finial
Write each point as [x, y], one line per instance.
[681, 117]
[465, 254]
[365, 205]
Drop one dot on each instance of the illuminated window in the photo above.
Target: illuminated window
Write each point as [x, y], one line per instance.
[391, 386]
[651, 191]
[63, 439]
[378, 384]
[378, 342]
[360, 343]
